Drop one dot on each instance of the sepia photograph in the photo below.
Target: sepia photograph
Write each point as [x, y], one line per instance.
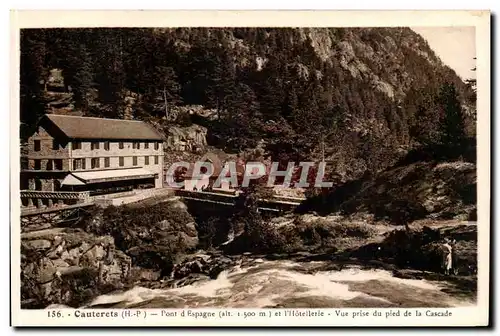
[256, 167]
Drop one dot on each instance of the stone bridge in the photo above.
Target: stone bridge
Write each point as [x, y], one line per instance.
[41, 209]
[273, 204]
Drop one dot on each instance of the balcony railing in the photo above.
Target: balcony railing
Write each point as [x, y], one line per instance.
[64, 195]
[49, 199]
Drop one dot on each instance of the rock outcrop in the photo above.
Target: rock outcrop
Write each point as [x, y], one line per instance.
[191, 139]
[114, 248]
[69, 266]
[154, 236]
[419, 248]
[407, 192]
[445, 190]
[206, 264]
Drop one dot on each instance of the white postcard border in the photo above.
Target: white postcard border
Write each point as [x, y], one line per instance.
[475, 316]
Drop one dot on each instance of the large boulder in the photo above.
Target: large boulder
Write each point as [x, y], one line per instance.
[154, 236]
[192, 138]
[202, 264]
[422, 248]
[69, 266]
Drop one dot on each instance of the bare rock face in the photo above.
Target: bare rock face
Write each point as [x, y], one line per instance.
[55, 80]
[68, 266]
[408, 192]
[192, 138]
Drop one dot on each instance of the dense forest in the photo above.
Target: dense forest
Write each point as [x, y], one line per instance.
[358, 97]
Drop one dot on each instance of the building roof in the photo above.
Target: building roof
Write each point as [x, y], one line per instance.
[75, 127]
[96, 176]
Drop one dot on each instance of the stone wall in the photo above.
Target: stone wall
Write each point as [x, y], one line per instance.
[52, 162]
[46, 147]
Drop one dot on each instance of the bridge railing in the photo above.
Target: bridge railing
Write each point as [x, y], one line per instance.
[206, 195]
[278, 202]
[39, 199]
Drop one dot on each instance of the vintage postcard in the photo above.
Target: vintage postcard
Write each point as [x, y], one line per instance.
[250, 168]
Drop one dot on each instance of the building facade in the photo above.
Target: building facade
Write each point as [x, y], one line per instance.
[68, 153]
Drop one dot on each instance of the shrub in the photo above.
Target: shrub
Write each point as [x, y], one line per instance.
[207, 231]
[184, 119]
[410, 248]
[261, 236]
[354, 230]
[322, 229]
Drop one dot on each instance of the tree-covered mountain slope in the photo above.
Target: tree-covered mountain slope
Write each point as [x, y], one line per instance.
[358, 97]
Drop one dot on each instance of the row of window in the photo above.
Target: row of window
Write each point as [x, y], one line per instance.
[56, 164]
[94, 145]
[56, 185]
[96, 162]
[55, 145]
[121, 145]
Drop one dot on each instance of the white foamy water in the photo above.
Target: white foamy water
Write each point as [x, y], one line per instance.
[212, 288]
[356, 275]
[271, 283]
[134, 295]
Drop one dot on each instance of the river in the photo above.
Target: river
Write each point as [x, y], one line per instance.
[287, 284]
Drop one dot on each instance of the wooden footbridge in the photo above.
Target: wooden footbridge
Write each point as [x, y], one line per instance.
[40, 218]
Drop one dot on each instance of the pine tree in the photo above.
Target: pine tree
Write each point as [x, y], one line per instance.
[33, 74]
[166, 92]
[424, 115]
[472, 83]
[221, 81]
[270, 89]
[83, 78]
[111, 76]
[291, 104]
[240, 127]
[453, 124]
[196, 74]
[140, 49]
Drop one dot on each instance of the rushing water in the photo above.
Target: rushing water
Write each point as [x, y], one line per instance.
[292, 285]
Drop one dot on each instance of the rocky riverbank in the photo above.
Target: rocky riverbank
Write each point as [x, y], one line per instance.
[260, 283]
[112, 249]
[155, 246]
[404, 255]
[69, 266]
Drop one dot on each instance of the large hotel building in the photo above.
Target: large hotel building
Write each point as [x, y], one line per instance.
[96, 155]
